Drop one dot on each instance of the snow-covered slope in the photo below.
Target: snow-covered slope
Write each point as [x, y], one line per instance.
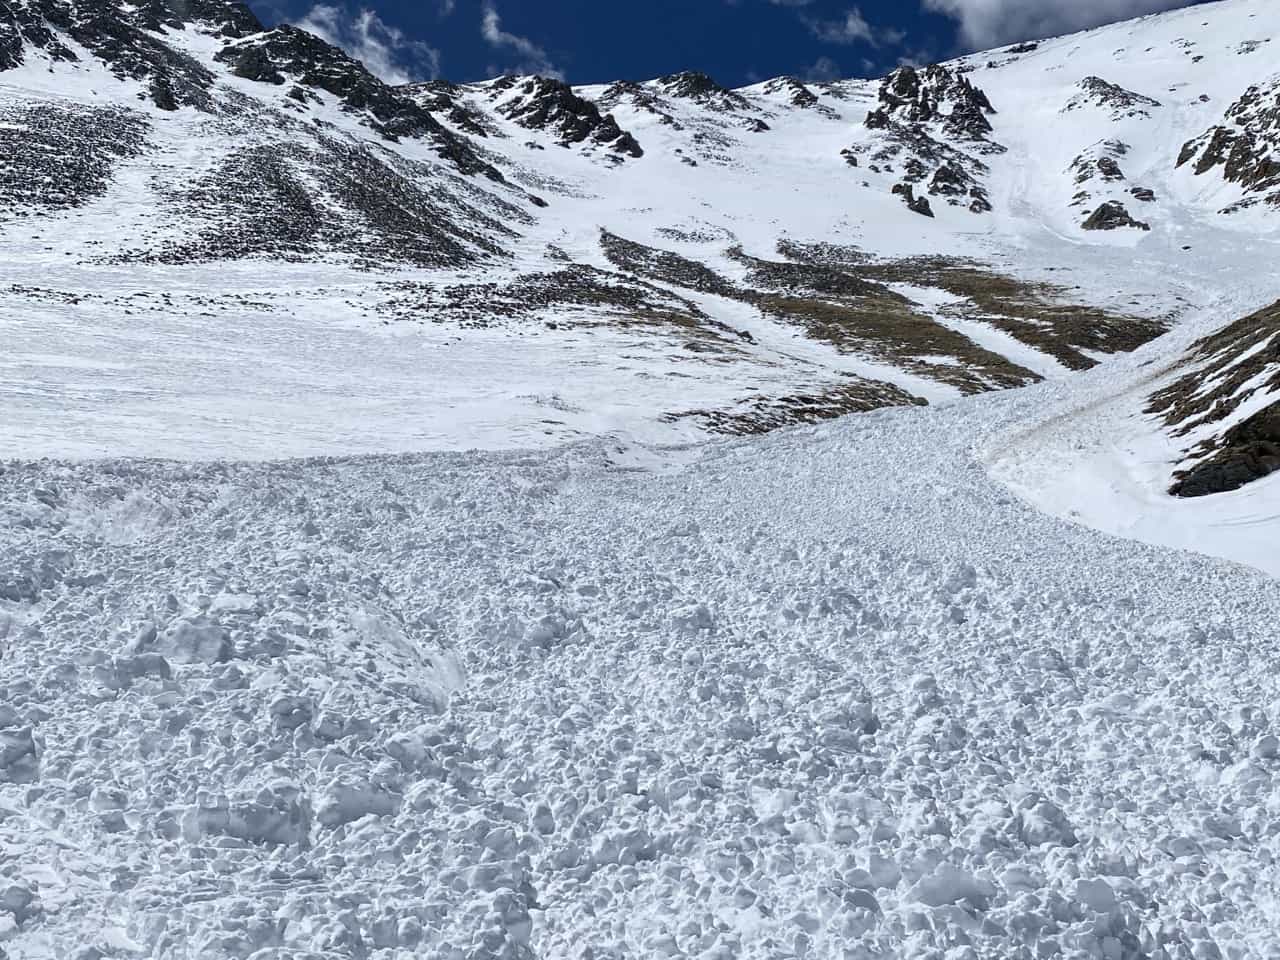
[181, 163]
[833, 692]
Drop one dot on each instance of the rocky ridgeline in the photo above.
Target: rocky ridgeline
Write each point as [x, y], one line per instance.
[541, 103]
[1246, 146]
[287, 51]
[703, 90]
[935, 121]
[125, 38]
[446, 99]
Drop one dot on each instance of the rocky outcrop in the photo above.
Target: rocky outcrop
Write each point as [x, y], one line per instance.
[1225, 375]
[445, 99]
[934, 121]
[393, 113]
[1246, 452]
[1096, 92]
[541, 103]
[940, 95]
[127, 38]
[700, 88]
[1112, 215]
[915, 204]
[1246, 146]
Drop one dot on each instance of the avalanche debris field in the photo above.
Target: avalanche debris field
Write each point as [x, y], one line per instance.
[744, 700]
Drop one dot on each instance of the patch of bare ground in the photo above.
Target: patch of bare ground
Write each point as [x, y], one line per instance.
[1041, 315]
[600, 297]
[832, 304]
[860, 316]
[757, 415]
[1225, 371]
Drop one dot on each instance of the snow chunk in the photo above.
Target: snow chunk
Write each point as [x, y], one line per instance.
[950, 884]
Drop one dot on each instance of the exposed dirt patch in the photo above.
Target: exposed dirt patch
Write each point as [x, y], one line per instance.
[758, 415]
[860, 316]
[1038, 314]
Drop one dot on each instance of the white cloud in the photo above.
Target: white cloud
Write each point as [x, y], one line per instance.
[852, 28]
[530, 58]
[382, 48]
[823, 69]
[993, 23]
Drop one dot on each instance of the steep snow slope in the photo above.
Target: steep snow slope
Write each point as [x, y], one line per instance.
[457, 231]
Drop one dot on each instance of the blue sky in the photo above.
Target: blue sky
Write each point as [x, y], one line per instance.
[736, 41]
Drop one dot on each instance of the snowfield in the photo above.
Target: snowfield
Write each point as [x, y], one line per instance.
[392, 608]
[829, 693]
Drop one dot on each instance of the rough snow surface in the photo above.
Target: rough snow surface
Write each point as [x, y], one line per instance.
[794, 697]
[871, 689]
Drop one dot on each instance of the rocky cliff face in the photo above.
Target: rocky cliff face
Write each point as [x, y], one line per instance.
[935, 122]
[1245, 148]
[540, 103]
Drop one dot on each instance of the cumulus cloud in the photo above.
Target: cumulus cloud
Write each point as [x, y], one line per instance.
[992, 23]
[382, 48]
[529, 57]
[850, 29]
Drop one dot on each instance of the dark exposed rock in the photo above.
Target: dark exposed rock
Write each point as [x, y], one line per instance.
[313, 63]
[1246, 452]
[937, 93]
[444, 98]
[60, 154]
[254, 64]
[127, 39]
[551, 105]
[319, 196]
[934, 118]
[1145, 194]
[1246, 146]
[1109, 169]
[1094, 91]
[1100, 160]
[1226, 370]
[915, 204]
[701, 88]
[797, 94]
[1112, 215]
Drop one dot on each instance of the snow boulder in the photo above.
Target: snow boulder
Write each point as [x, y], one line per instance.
[277, 815]
[949, 884]
[18, 755]
[347, 799]
[1040, 822]
[195, 640]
